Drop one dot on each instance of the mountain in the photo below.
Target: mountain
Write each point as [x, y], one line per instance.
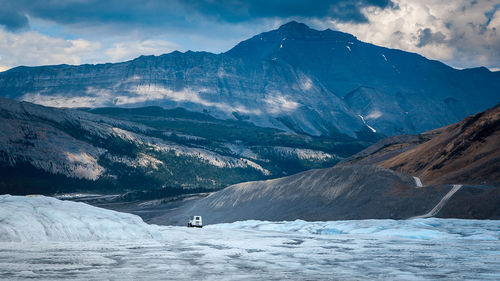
[294, 78]
[452, 171]
[111, 150]
[338, 193]
[465, 152]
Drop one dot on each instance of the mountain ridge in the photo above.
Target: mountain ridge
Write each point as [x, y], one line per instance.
[293, 78]
[116, 150]
[464, 152]
[450, 172]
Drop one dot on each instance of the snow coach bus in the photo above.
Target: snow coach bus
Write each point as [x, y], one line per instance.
[195, 221]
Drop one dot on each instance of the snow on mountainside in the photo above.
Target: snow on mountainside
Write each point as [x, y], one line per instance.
[293, 78]
[42, 218]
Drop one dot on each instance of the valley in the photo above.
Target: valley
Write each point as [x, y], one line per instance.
[287, 152]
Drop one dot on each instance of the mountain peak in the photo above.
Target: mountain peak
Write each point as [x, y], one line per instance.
[294, 26]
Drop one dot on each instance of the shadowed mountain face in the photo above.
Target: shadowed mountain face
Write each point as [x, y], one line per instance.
[294, 78]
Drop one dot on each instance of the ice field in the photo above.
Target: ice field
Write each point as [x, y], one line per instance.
[44, 238]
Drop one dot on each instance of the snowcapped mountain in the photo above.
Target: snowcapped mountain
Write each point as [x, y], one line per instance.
[293, 78]
[46, 150]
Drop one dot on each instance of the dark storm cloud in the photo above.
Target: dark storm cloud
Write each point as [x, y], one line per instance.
[14, 14]
[426, 36]
[12, 18]
[236, 11]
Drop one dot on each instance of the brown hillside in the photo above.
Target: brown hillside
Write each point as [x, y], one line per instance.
[465, 152]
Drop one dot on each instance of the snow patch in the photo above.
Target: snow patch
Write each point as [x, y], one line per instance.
[370, 127]
[418, 182]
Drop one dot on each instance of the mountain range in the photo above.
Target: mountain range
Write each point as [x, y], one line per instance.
[458, 165]
[113, 150]
[294, 78]
[258, 118]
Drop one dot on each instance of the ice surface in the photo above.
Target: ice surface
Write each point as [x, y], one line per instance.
[420, 249]
[426, 229]
[40, 218]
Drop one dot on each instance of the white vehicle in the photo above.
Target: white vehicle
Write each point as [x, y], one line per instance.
[195, 221]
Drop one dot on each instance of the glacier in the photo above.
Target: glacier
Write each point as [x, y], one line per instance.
[44, 238]
[40, 218]
[424, 229]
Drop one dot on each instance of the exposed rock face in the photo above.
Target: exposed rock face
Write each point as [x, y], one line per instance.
[293, 78]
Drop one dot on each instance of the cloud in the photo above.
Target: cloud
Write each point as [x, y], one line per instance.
[237, 11]
[426, 36]
[15, 14]
[33, 48]
[278, 103]
[13, 20]
[462, 33]
[122, 51]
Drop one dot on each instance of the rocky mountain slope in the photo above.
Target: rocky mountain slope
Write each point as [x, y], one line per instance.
[47, 150]
[293, 78]
[448, 172]
[338, 193]
[465, 152]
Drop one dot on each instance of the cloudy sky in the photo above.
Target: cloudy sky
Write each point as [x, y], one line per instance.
[461, 33]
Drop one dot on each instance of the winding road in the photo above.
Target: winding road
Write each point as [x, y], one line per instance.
[440, 205]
